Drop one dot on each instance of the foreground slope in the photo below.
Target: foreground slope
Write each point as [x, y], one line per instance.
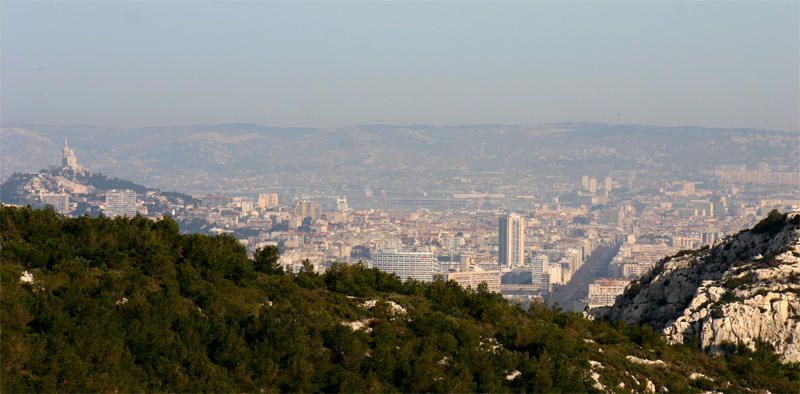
[105, 305]
[745, 290]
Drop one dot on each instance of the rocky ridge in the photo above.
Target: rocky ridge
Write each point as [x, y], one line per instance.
[744, 290]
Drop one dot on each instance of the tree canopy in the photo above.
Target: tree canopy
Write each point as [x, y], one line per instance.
[99, 305]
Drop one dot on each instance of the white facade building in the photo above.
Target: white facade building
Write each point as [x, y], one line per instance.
[603, 292]
[120, 203]
[473, 279]
[420, 266]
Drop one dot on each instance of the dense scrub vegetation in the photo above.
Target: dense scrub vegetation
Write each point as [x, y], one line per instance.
[772, 224]
[132, 305]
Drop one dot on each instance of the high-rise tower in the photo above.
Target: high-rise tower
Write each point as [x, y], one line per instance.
[268, 201]
[511, 240]
[307, 209]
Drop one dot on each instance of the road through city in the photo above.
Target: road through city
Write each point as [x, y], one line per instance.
[596, 266]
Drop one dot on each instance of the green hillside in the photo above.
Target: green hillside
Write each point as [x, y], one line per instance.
[132, 305]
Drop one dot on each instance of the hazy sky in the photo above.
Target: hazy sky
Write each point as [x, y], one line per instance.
[720, 64]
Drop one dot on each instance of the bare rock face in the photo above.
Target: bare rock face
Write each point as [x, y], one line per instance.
[745, 290]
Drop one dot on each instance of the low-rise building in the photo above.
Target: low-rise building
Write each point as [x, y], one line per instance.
[475, 277]
[603, 292]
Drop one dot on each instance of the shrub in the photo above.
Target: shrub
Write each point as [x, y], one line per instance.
[734, 283]
[633, 289]
[685, 252]
[772, 224]
[729, 297]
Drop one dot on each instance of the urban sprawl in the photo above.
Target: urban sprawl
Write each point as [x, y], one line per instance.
[580, 246]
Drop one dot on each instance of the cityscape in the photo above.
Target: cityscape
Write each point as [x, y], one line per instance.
[400, 196]
[577, 243]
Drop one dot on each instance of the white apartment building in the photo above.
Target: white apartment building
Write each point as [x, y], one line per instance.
[120, 203]
[473, 279]
[420, 266]
[603, 292]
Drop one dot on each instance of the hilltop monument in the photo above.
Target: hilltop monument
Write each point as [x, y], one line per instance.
[70, 160]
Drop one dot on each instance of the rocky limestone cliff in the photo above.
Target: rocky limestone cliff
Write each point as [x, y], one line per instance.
[744, 290]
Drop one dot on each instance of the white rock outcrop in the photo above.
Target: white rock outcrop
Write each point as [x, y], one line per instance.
[644, 361]
[358, 325]
[26, 278]
[394, 307]
[513, 375]
[744, 290]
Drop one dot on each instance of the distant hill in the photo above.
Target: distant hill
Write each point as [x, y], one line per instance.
[124, 305]
[196, 158]
[745, 290]
[13, 189]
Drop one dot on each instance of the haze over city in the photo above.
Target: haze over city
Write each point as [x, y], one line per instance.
[307, 64]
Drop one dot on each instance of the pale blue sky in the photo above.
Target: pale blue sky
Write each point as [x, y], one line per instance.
[720, 64]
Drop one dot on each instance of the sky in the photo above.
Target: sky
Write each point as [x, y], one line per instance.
[136, 64]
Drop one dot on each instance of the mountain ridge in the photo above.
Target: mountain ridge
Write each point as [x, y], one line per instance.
[269, 153]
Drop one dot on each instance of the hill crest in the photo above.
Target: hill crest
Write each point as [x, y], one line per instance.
[744, 290]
